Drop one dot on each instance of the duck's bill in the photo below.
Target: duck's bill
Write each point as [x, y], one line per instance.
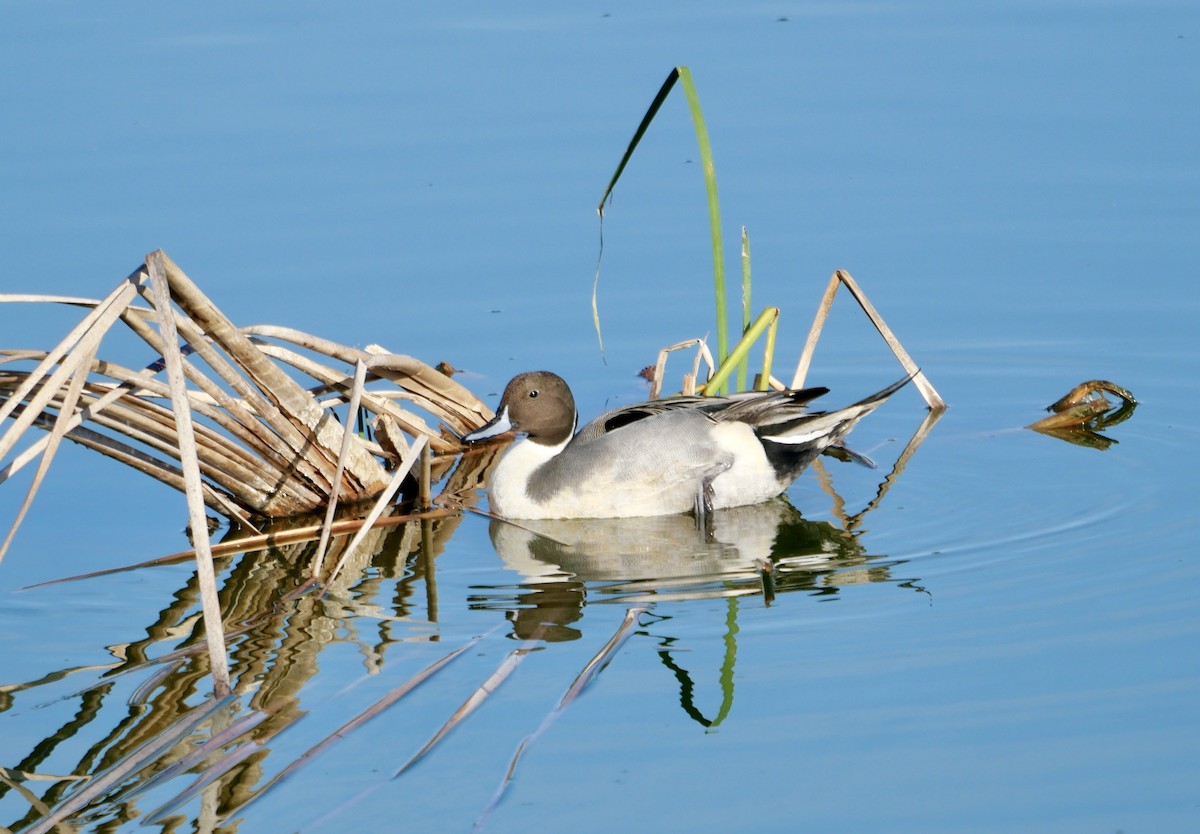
[496, 426]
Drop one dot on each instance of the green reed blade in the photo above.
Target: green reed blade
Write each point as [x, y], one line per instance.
[661, 96]
[714, 213]
[684, 76]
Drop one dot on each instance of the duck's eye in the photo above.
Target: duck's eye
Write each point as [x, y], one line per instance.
[533, 394]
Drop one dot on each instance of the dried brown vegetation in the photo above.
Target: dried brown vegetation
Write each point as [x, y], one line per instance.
[267, 444]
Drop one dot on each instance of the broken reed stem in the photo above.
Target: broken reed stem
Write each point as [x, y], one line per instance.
[74, 356]
[360, 375]
[425, 485]
[252, 419]
[932, 398]
[450, 400]
[130, 392]
[814, 333]
[224, 463]
[69, 401]
[702, 354]
[291, 402]
[97, 322]
[264, 426]
[209, 601]
[377, 509]
[258, 542]
[160, 470]
[116, 300]
[744, 366]
[447, 399]
[154, 426]
[380, 403]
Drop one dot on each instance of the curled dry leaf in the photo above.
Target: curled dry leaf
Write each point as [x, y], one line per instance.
[1084, 411]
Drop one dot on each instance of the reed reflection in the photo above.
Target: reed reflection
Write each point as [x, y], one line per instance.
[277, 633]
[387, 598]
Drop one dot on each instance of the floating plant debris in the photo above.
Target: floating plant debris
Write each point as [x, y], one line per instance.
[1080, 415]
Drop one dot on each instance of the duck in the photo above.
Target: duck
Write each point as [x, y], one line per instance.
[663, 457]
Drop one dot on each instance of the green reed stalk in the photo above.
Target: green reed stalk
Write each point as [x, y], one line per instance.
[765, 322]
[745, 364]
[714, 213]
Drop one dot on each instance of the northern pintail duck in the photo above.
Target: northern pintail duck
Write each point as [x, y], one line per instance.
[655, 458]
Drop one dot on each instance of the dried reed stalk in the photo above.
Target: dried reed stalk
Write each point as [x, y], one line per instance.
[381, 503]
[291, 410]
[660, 366]
[73, 356]
[209, 602]
[266, 446]
[69, 399]
[932, 398]
[360, 375]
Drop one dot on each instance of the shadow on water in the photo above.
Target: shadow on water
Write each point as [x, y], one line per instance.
[146, 717]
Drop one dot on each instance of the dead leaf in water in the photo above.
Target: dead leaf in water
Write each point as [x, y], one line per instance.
[1080, 415]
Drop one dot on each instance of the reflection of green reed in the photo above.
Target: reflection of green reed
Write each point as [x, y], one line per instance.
[687, 686]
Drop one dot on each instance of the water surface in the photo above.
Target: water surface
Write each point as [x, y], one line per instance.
[1002, 638]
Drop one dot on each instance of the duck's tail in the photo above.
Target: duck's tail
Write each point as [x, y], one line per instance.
[794, 445]
[832, 426]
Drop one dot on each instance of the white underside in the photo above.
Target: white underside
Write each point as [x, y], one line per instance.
[668, 486]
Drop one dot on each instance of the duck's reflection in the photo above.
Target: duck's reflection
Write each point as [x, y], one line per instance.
[761, 549]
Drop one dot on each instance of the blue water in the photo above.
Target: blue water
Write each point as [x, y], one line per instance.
[1009, 640]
